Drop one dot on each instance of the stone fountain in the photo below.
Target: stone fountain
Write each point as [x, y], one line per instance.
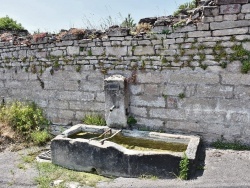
[106, 150]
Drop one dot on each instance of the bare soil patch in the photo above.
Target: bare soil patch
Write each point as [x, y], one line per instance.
[9, 139]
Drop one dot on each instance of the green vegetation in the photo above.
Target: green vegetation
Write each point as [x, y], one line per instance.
[184, 167]
[10, 24]
[49, 172]
[236, 145]
[185, 6]
[94, 119]
[128, 22]
[245, 67]
[27, 119]
[181, 95]
[223, 65]
[131, 120]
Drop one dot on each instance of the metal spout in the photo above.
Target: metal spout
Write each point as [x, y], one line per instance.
[112, 108]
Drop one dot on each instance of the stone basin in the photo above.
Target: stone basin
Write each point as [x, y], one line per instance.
[111, 159]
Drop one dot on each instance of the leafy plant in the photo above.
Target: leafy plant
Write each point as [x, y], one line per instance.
[128, 22]
[185, 6]
[184, 167]
[10, 24]
[223, 65]
[245, 67]
[94, 119]
[24, 118]
[131, 120]
[40, 137]
[181, 95]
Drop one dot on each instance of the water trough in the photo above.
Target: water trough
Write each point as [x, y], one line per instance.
[111, 159]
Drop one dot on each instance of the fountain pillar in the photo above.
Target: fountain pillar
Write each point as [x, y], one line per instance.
[116, 102]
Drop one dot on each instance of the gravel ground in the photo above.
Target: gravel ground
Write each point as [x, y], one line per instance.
[223, 168]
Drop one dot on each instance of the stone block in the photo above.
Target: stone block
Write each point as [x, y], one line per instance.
[168, 114]
[75, 95]
[73, 50]
[150, 77]
[184, 126]
[242, 92]
[152, 124]
[218, 18]
[232, 105]
[230, 9]
[246, 46]
[185, 29]
[144, 42]
[117, 51]
[245, 8]
[168, 41]
[207, 19]
[56, 104]
[91, 86]
[235, 31]
[194, 78]
[100, 97]
[136, 89]
[56, 53]
[206, 116]
[197, 34]
[210, 11]
[247, 17]
[144, 50]
[227, 2]
[235, 79]
[150, 101]
[66, 114]
[151, 89]
[211, 91]
[118, 32]
[86, 106]
[70, 85]
[166, 52]
[176, 35]
[141, 112]
[98, 51]
[229, 24]
[173, 90]
[198, 104]
[230, 17]
[202, 26]
[237, 117]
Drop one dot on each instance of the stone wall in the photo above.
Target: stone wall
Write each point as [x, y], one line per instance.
[193, 80]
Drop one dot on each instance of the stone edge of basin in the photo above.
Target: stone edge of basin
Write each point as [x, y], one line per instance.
[192, 141]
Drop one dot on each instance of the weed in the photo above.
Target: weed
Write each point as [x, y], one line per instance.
[21, 166]
[24, 59]
[131, 120]
[24, 118]
[49, 172]
[82, 49]
[94, 119]
[164, 96]
[203, 66]
[28, 159]
[181, 95]
[202, 57]
[166, 32]
[150, 177]
[236, 145]
[223, 65]
[188, 5]
[40, 137]
[90, 52]
[245, 67]
[184, 167]
[78, 68]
